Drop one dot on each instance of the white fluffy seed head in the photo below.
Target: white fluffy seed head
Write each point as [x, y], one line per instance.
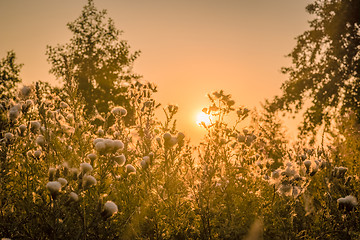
[85, 167]
[120, 159]
[9, 136]
[73, 197]
[91, 156]
[100, 146]
[307, 164]
[14, 112]
[96, 140]
[22, 128]
[119, 111]
[62, 181]
[40, 140]
[118, 145]
[37, 153]
[130, 169]
[88, 181]
[180, 136]
[110, 208]
[146, 159]
[35, 126]
[53, 187]
[25, 91]
[351, 200]
[167, 136]
[109, 144]
[143, 164]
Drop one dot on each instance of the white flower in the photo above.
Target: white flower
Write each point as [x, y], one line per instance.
[307, 164]
[120, 159]
[100, 146]
[85, 167]
[110, 209]
[348, 202]
[22, 128]
[9, 136]
[180, 136]
[74, 173]
[118, 145]
[37, 153]
[14, 112]
[146, 159]
[52, 172]
[91, 156]
[130, 169]
[96, 140]
[25, 91]
[35, 126]
[53, 187]
[40, 140]
[167, 136]
[88, 181]
[144, 164]
[62, 181]
[119, 111]
[73, 197]
[109, 144]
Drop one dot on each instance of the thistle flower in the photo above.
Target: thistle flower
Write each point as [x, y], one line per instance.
[307, 164]
[53, 187]
[40, 140]
[73, 197]
[91, 156]
[241, 138]
[88, 181]
[130, 169]
[14, 112]
[37, 153]
[35, 126]
[74, 173]
[349, 202]
[96, 140]
[120, 159]
[85, 167]
[52, 172]
[144, 164]
[180, 136]
[167, 137]
[22, 129]
[118, 145]
[62, 181]
[110, 209]
[119, 112]
[25, 91]
[100, 146]
[9, 136]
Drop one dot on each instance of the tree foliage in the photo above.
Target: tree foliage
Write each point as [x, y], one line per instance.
[325, 69]
[9, 75]
[95, 59]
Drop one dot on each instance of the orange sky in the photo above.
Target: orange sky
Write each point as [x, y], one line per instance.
[189, 47]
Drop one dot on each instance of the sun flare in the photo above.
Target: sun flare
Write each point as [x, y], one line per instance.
[203, 119]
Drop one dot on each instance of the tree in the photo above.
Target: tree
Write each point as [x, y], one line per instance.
[96, 60]
[325, 69]
[9, 75]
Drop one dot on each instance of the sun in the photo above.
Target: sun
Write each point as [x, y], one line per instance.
[203, 119]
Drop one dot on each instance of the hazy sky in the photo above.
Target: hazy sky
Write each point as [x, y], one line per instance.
[189, 47]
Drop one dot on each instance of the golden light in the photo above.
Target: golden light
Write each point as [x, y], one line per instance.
[203, 119]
